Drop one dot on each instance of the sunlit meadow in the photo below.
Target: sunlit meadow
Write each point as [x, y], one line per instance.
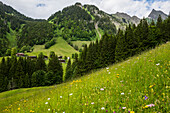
[139, 84]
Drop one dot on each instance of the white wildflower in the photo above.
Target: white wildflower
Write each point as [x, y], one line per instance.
[102, 108]
[123, 107]
[158, 64]
[102, 89]
[109, 73]
[48, 98]
[107, 68]
[92, 103]
[71, 94]
[122, 93]
[46, 103]
[49, 109]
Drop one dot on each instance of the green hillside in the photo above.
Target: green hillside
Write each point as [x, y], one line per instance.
[60, 48]
[139, 84]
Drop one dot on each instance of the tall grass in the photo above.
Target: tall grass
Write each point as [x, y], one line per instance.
[139, 84]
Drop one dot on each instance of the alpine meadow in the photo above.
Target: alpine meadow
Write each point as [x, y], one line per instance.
[84, 60]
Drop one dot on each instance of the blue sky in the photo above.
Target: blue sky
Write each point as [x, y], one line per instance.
[44, 8]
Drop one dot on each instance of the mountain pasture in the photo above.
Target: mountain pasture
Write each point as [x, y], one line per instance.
[60, 48]
[139, 84]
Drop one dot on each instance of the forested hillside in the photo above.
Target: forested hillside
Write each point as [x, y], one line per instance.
[111, 49]
[27, 31]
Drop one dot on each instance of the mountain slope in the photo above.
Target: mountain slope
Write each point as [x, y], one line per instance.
[138, 85]
[155, 14]
[60, 48]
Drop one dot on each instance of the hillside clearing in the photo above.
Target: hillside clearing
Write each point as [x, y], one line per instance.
[60, 48]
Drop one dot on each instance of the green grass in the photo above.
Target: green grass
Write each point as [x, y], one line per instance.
[93, 18]
[121, 85]
[80, 43]
[60, 48]
[11, 36]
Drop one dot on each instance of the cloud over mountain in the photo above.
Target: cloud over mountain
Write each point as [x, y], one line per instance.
[44, 8]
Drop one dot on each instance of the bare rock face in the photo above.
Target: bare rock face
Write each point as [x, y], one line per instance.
[155, 14]
[129, 19]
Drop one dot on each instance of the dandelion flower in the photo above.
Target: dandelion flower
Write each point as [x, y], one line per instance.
[132, 112]
[102, 108]
[18, 109]
[46, 103]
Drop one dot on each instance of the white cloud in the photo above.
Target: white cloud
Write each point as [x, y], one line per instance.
[139, 8]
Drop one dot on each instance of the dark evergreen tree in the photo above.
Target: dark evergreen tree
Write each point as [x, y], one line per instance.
[68, 74]
[40, 63]
[19, 74]
[56, 67]
[120, 50]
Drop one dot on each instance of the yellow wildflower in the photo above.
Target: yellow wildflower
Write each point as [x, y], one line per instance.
[145, 107]
[25, 101]
[117, 74]
[31, 111]
[18, 108]
[132, 112]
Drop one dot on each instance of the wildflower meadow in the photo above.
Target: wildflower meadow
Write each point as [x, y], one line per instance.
[139, 84]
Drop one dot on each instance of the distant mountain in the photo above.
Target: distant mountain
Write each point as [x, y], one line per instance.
[129, 19]
[154, 15]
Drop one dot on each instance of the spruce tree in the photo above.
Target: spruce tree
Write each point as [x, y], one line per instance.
[19, 74]
[120, 51]
[40, 63]
[56, 67]
[68, 74]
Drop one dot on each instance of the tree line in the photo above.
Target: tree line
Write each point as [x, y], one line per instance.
[115, 48]
[25, 72]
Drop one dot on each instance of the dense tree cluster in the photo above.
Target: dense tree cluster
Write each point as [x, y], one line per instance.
[117, 48]
[35, 33]
[25, 72]
[75, 23]
[3, 39]
[50, 43]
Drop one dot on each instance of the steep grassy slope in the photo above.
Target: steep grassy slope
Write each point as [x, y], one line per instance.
[140, 84]
[60, 48]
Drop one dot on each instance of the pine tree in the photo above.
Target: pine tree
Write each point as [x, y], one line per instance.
[12, 72]
[19, 74]
[40, 63]
[56, 67]
[68, 74]
[120, 51]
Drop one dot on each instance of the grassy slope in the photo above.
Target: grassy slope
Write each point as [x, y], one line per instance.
[11, 36]
[143, 75]
[60, 48]
[80, 43]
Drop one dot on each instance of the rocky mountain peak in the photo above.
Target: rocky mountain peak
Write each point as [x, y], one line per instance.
[155, 14]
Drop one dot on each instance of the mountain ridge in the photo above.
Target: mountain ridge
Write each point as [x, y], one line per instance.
[155, 14]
